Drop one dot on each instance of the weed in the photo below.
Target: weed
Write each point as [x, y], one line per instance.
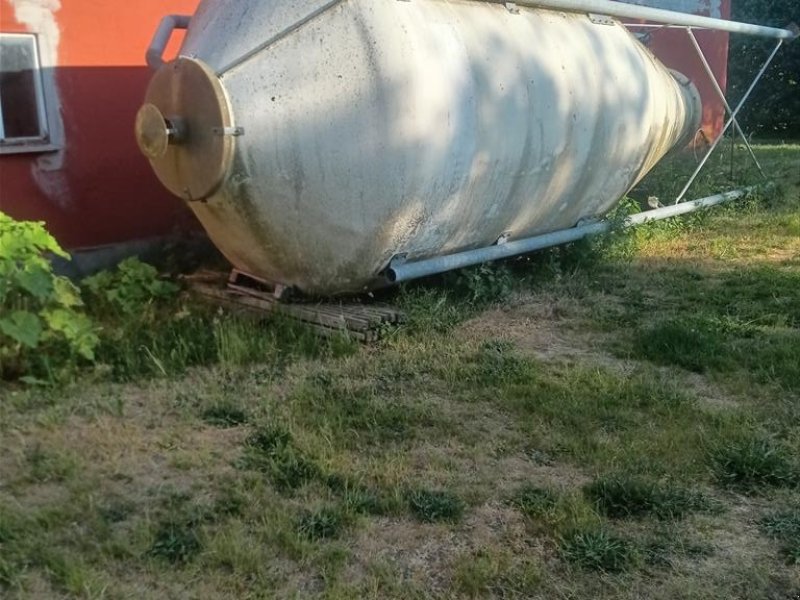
[667, 544]
[785, 527]
[47, 465]
[320, 524]
[753, 463]
[132, 287]
[230, 502]
[599, 551]
[535, 502]
[116, 509]
[225, 414]
[289, 469]
[481, 285]
[361, 500]
[557, 512]
[176, 541]
[268, 439]
[435, 505]
[625, 496]
[271, 451]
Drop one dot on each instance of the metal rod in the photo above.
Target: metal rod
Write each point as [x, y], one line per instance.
[2, 127]
[400, 270]
[721, 96]
[657, 15]
[604, 7]
[277, 37]
[729, 122]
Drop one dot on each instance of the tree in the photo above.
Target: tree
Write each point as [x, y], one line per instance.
[773, 110]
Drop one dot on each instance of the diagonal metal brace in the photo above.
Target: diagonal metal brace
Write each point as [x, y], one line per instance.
[721, 96]
[732, 119]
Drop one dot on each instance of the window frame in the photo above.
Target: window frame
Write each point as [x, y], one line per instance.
[44, 110]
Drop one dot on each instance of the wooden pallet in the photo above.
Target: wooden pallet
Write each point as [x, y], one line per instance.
[364, 322]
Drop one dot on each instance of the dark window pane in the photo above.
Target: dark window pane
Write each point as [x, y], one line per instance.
[18, 87]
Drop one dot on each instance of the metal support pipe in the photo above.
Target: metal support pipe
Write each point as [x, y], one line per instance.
[657, 15]
[400, 270]
[721, 95]
[730, 121]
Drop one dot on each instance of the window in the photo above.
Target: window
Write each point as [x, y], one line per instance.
[23, 115]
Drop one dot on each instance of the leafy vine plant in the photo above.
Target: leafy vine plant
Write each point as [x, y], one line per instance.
[43, 328]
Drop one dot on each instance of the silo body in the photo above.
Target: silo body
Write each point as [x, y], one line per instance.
[359, 130]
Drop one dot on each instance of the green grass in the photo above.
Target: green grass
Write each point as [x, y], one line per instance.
[615, 418]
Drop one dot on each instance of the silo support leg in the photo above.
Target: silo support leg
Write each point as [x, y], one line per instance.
[723, 99]
[733, 113]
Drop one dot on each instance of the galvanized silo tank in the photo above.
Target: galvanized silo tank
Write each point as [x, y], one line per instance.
[316, 140]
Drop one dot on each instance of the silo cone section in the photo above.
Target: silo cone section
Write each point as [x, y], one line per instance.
[364, 129]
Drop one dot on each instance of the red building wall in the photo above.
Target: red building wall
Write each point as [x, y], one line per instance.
[98, 189]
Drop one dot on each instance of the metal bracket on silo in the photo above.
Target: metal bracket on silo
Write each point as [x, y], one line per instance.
[601, 19]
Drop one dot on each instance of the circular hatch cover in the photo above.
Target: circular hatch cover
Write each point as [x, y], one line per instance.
[185, 129]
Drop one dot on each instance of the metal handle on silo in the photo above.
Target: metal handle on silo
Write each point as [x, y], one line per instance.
[155, 52]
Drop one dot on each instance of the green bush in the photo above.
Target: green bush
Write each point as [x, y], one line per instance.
[43, 330]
